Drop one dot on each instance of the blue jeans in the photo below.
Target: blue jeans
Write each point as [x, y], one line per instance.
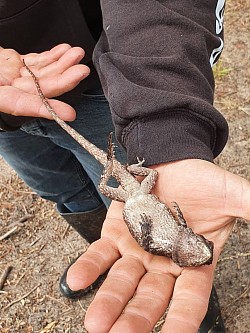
[54, 165]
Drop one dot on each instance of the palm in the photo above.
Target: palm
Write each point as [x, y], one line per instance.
[209, 196]
[58, 71]
[139, 286]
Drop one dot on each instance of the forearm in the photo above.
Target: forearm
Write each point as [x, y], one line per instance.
[154, 64]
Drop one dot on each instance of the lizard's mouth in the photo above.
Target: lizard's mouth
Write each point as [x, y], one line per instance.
[210, 245]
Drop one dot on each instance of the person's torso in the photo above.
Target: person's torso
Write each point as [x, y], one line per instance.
[38, 25]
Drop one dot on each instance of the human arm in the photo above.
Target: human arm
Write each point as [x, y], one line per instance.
[58, 71]
[154, 62]
[235, 193]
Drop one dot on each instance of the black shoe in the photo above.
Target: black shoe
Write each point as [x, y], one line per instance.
[213, 323]
[75, 295]
[89, 226]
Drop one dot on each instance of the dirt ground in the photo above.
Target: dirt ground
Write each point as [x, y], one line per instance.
[43, 245]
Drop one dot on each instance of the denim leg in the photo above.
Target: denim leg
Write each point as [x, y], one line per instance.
[53, 164]
[94, 123]
[52, 172]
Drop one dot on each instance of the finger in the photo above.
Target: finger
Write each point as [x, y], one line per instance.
[10, 66]
[56, 65]
[151, 298]
[114, 294]
[148, 305]
[190, 300]
[240, 197]
[54, 85]
[18, 103]
[10, 55]
[245, 212]
[45, 58]
[98, 258]
[70, 58]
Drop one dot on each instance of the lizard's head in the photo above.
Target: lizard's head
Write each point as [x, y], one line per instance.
[192, 250]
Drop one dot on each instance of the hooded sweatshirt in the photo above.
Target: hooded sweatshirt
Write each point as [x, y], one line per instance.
[154, 60]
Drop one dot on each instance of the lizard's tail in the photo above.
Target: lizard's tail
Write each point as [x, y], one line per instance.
[98, 153]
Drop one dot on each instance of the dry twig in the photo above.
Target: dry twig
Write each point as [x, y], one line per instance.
[84, 310]
[18, 281]
[22, 220]
[236, 256]
[15, 225]
[25, 218]
[238, 298]
[49, 327]
[57, 300]
[4, 275]
[8, 233]
[35, 241]
[65, 231]
[24, 296]
[3, 292]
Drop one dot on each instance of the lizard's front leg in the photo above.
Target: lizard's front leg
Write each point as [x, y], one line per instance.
[118, 194]
[149, 181]
[180, 218]
[146, 226]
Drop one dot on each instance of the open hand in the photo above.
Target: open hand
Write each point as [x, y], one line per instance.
[139, 286]
[58, 71]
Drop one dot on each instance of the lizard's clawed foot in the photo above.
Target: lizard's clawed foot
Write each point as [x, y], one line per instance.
[140, 162]
[111, 148]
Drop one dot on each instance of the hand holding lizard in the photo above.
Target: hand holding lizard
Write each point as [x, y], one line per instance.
[140, 285]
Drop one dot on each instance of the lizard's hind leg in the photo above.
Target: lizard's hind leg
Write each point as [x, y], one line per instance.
[111, 150]
[117, 194]
[151, 175]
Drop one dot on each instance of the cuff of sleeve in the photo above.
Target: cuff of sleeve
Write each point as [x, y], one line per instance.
[173, 136]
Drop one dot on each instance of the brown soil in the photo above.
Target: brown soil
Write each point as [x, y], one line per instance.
[42, 246]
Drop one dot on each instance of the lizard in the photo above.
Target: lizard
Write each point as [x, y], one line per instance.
[151, 223]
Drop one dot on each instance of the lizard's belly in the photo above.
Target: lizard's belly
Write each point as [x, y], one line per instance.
[151, 223]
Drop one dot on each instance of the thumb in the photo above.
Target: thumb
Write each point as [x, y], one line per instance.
[238, 196]
[19, 103]
[245, 211]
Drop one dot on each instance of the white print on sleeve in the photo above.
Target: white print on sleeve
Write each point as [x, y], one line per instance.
[219, 14]
[220, 9]
[216, 52]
